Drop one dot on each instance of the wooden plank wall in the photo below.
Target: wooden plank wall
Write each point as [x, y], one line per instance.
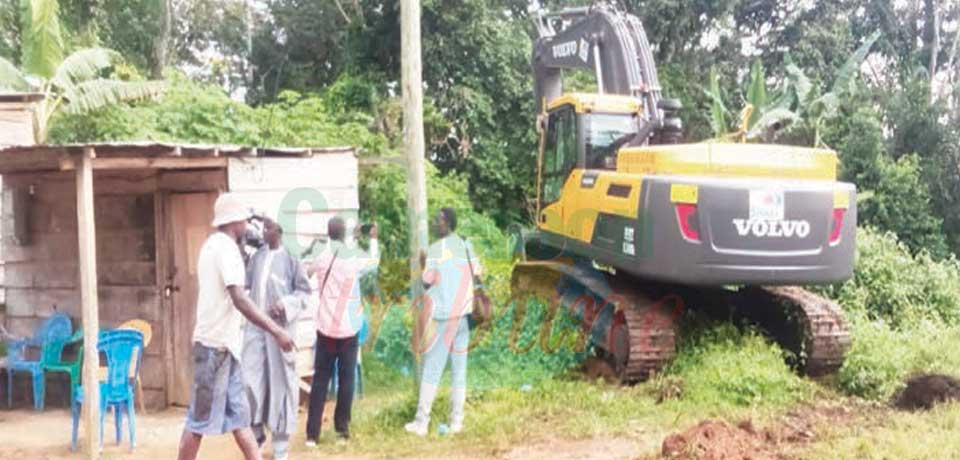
[43, 276]
[305, 192]
[16, 123]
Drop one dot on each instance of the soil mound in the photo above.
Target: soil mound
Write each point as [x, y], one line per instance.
[927, 390]
[718, 440]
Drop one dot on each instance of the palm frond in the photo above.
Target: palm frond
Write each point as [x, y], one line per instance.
[85, 64]
[851, 67]
[91, 95]
[42, 37]
[11, 78]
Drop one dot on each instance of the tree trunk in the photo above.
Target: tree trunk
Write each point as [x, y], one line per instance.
[161, 45]
[933, 37]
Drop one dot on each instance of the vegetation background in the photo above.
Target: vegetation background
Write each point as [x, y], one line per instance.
[876, 80]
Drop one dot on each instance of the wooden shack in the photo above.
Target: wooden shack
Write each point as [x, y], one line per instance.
[152, 204]
[16, 118]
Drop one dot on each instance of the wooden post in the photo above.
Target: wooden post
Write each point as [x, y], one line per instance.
[412, 84]
[87, 237]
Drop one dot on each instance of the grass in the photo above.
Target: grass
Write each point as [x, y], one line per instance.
[882, 357]
[896, 435]
[723, 373]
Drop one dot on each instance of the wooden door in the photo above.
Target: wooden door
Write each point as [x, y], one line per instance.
[190, 218]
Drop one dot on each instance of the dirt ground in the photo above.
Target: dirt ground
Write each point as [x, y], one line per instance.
[924, 391]
[25, 434]
[29, 435]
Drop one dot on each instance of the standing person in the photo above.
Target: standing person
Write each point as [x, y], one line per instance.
[218, 400]
[279, 287]
[446, 331]
[339, 318]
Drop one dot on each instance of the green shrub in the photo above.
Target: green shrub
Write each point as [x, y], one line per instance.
[383, 198]
[511, 353]
[882, 357]
[722, 365]
[891, 284]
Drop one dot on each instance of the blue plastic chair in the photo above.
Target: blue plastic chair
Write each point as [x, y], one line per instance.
[121, 347]
[49, 338]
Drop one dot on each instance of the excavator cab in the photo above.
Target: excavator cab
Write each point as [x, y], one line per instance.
[584, 131]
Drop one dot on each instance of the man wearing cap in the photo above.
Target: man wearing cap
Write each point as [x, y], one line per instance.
[218, 402]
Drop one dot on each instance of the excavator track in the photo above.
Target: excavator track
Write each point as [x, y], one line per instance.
[631, 325]
[821, 330]
[651, 329]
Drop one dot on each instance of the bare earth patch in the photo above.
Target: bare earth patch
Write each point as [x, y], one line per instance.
[926, 390]
[718, 440]
[587, 449]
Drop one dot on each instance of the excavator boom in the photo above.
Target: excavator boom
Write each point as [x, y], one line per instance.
[602, 39]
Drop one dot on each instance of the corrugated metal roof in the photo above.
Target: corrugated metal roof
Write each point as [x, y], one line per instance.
[20, 97]
[153, 148]
[23, 158]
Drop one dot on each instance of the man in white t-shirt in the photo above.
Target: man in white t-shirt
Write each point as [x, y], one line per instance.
[218, 401]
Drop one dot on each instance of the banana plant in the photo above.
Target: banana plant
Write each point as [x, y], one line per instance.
[75, 84]
[764, 111]
[796, 100]
[816, 107]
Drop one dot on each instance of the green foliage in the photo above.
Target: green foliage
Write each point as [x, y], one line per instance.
[796, 99]
[192, 112]
[891, 284]
[525, 344]
[723, 365]
[77, 84]
[882, 356]
[901, 204]
[917, 126]
[42, 42]
[896, 196]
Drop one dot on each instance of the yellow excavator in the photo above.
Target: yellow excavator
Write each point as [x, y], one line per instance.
[634, 227]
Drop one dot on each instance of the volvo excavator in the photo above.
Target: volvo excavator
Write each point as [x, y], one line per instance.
[633, 228]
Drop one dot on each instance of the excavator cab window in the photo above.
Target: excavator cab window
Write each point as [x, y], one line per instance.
[606, 133]
[559, 152]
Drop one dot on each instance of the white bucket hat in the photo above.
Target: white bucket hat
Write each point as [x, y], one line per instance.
[229, 208]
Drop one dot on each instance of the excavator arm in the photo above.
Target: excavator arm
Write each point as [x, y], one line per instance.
[602, 39]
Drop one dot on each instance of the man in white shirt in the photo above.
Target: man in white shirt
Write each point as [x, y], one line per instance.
[339, 319]
[448, 272]
[218, 402]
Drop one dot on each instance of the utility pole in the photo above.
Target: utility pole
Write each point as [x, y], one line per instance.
[412, 89]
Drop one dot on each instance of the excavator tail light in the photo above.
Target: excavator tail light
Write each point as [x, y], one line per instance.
[687, 218]
[837, 226]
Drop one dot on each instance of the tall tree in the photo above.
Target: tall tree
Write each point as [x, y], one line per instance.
[76, 84]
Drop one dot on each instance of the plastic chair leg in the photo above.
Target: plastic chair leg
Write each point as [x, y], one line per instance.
[38, 390]
[118, 417]
[103, 413]
[75, 411]
[139, 396]
[131, 420]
